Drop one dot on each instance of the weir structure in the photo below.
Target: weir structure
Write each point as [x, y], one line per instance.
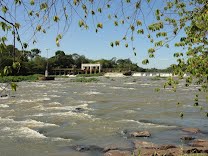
[86, 68]
[91, 68]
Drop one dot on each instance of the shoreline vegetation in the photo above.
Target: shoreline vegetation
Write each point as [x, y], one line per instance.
[35, 77]
[29, 78]
[74, 78]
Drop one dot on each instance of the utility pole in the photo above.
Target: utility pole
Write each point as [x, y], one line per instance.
[46, 71]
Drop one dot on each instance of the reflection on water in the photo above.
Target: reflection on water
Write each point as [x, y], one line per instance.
[48, 117]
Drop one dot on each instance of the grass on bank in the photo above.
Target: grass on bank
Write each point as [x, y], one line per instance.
[83, 79]
[90, 75]
[6, 79]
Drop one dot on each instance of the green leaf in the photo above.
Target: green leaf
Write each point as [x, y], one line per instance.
[81, 23]
[92, 12]
[32, 2]
[100, 25]
[37, 14]
[115, 23]
[132, 28]
[25, 45]
[59, 36]
[14, 86]
[56, 18]
[151, 50]
[76, 2]
[157, 89]
[30, 13]
[7, 70]
[111, 44]
[84, 7]
[146, 61]
[117, 43]
[34, 41]
[4, 9]
[16, 65]
[137, 5]
[57, 43]
[18, 2]
[44, 6]
[99, 10]
[3, 39]
[151, 55]
[139, 23]
[38, 28]
[140, 31]
[17, 25]
[181, 114]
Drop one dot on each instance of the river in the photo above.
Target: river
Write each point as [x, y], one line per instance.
[51, 117]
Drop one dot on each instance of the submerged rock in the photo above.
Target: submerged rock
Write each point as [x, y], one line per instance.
[84, 148]
[191, 130]
[165, 147]
[200, 143]
[158, 152]
[192, 150]
[187, 138]
[118, 153]
[110, 147]
[78, 110]
[144, 144]
[4, 95]
[140, 134]
[144, 148]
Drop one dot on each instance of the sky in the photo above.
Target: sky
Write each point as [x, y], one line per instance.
[97, 45]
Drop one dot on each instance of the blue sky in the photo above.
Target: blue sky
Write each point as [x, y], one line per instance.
[97, 45]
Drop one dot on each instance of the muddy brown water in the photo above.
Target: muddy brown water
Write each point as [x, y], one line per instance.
[51, 117]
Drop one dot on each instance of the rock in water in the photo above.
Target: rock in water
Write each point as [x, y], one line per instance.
[191, 130]
[140, 134]
[118, 153]
[200, 143]
[187, 138]
[144, 144]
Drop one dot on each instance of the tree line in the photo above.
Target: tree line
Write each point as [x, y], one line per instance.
[31, 62]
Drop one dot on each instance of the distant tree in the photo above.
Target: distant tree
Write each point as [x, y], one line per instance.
[35, 52]
[79, 59]
[61, 60]
[59, 53]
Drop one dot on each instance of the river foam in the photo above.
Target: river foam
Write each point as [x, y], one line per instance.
[27, 123]
[4, 106]
[28, 133]
[146, 124]
[33, 100]
[122, 88]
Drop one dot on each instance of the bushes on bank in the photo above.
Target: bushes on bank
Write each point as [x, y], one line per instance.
[19, 78]
[83, 79]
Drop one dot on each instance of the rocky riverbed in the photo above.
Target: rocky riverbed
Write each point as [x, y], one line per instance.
[137, 147]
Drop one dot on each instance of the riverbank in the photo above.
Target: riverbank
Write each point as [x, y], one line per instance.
[5, 79]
